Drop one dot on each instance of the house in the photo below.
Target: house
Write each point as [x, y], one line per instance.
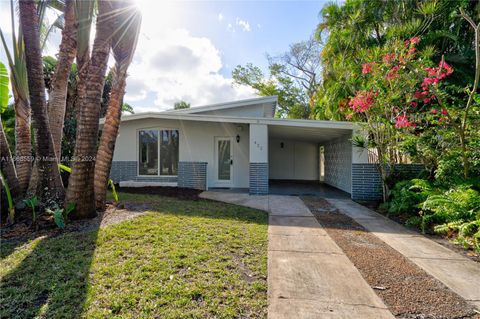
[239, 144]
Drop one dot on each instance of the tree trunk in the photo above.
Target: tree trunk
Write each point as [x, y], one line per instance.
[109, 136]
[58, 93]
[23, 141]
[80, 184]
[7, 166]
[49, 189]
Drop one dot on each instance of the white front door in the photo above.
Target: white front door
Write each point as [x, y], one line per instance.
[224, 161]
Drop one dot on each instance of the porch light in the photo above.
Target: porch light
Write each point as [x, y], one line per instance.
[238, 138]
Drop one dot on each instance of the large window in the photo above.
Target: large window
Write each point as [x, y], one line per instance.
[158, 152]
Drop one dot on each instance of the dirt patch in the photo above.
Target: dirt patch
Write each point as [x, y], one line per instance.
[112, 215]
[407, 290]
[177, 192]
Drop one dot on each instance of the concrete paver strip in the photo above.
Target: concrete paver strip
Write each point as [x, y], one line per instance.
[309, 276]
[455, 271]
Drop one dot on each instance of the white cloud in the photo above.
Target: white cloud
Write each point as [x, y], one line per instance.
[243, 24]
[220, 17]
[230, 28]
[173, 65]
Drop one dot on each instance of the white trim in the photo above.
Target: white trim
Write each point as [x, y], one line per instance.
[241, 120]
[227, 105]
[158, 129]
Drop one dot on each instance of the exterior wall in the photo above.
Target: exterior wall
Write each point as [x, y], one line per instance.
[258, 168]
[192, 175]
[295, 161]
[338, 163]
[366, 181]
[196, 145]
[127, 171]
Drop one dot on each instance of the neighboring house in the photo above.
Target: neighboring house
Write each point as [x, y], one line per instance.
[239, 145]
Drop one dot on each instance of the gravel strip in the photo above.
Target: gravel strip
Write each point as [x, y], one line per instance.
[407, 290]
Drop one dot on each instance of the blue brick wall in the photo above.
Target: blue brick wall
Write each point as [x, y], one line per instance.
[367, 184]
[192, 175]
[258, 178]
[127, 171]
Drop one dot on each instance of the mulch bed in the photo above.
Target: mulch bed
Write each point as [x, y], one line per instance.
[178, 192]
[407, 290]
[22, 231]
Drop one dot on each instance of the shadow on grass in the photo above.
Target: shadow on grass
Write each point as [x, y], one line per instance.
[51, 280]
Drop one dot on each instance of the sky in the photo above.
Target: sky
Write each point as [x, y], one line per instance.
[188, 49]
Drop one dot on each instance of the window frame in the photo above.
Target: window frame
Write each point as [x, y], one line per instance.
[158, 129]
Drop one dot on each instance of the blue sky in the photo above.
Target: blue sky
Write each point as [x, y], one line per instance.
[188, 49]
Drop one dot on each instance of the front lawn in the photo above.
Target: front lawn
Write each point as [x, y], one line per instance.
[183, 259]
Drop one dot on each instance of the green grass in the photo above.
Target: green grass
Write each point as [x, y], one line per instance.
[184, 259]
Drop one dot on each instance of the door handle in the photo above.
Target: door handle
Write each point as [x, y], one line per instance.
[231, 162]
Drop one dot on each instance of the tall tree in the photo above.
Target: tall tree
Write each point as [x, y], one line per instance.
[181, 105]
[126, 28]
[91, 80]
[18, 73]
[49, 187]
[59, 84]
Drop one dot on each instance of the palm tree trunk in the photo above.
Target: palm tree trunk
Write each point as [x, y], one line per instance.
[7, 166]
[49, 188]
[109, 136]
[80, 184]
[58, 93]
[23, 141]
[126, 28]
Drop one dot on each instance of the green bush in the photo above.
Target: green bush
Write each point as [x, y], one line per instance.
[406, 196]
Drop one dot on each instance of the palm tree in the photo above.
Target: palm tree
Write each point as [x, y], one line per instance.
[46, 182]
[18, 68]
[91, 80]
[58, 89]
[127, 26]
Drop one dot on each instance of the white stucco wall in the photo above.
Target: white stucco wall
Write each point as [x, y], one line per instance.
[338, 163]
[197, 143]
[263, 110]
[296, 160]
[258, 143]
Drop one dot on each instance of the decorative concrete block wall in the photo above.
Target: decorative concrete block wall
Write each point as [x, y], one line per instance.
[192, 175]
[127, 171]
[259, 178]
[367, 184]
[338, 163]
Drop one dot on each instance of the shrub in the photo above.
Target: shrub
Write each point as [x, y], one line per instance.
[406, 196]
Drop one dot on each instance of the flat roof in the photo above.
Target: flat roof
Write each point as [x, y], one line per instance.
[273, 99]
[240, 120]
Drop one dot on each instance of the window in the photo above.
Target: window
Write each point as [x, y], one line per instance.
[158, 152]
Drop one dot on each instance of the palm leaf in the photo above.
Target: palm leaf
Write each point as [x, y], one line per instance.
[3, 87]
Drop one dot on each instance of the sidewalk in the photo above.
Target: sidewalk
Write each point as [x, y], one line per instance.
[308, 274]
[455, 271]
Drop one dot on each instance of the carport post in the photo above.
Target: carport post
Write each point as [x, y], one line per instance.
[258, 171]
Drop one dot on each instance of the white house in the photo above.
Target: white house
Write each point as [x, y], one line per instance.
[239, 145]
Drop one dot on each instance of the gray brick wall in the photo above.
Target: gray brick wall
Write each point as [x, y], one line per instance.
[367, 184]
[258, 178]
[192, 175]
[127, 171]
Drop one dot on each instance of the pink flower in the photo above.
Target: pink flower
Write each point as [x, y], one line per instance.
[362, 101]
[447, 67]
[433, 111]
[392, 73]
[412, 51]
[415, 40]
[349, 116]
[426, 100]
[443, 112]
[420, 95]
[403, 121]
[413, 104]
[429, 81]
[367, 67]
[388, 58]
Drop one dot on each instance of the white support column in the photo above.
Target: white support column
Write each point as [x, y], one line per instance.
[258, 159]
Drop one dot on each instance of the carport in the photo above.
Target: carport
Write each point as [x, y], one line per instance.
[311, 158]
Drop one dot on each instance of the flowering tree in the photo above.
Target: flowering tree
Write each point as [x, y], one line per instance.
[400, 89]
